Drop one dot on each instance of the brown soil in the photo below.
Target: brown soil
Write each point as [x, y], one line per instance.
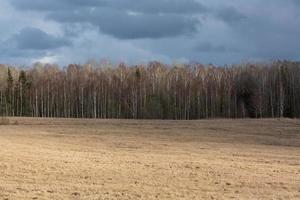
[127, 159]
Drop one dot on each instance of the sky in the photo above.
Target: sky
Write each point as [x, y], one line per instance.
[137, 31]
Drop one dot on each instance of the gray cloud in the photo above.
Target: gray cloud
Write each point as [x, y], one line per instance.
[30, 45]
[270, 37]
[208, 47]
[36, 39]
[295, 2]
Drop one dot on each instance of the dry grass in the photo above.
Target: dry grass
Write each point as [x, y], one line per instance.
[4, 121]
[126, 159]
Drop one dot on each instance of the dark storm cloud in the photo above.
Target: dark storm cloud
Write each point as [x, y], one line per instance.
[230, 15]
[131, 26]
[124, 19]
[44, 5]
[126, 26]
[220, 31]
[145, 6]
[35, 39]
[159, 6]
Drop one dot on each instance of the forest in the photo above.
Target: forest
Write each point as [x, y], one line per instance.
[151, 91]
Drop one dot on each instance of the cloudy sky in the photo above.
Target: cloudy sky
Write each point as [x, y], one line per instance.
[136, 31]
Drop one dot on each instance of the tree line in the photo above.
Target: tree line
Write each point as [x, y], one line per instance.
[151, 91]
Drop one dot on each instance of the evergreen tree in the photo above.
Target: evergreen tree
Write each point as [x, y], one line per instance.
[9, 93]
[23, 89]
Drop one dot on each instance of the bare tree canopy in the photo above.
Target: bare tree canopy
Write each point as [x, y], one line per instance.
[153, 91]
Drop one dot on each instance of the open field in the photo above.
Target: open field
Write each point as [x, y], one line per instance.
[127, 159]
